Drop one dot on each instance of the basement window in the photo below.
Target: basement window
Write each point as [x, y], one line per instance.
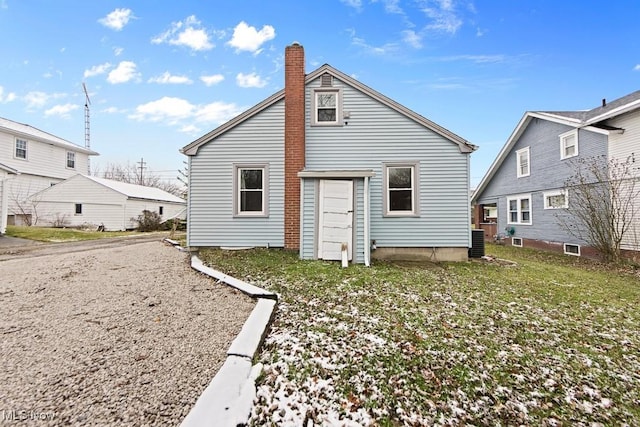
[327, 108]
[516, 241]
[570, 249]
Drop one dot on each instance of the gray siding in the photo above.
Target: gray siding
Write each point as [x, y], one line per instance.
[547, 172]
[376, 134]
[259, 139]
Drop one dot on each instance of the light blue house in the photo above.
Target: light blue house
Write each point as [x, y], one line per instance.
[331, 168]
[523, 195]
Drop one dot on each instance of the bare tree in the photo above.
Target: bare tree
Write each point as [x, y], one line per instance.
[602, 206]
[131, 174]
[25, 204]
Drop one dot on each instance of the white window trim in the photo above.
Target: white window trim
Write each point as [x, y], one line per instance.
[314, 112]
[67, 160]
[518, 154]
[563, 139]
[236, 190]
[520, 197]
[516, 239]
[564, 247]
[26, 149]
[547, 194]
[415, 190]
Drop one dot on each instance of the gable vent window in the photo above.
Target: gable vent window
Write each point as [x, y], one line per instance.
[327, 80]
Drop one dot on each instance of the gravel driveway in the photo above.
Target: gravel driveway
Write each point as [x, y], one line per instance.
[126, 335]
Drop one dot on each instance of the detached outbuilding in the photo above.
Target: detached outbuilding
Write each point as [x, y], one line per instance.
[82, 200]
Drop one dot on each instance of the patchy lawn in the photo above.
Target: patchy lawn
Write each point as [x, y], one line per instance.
[553, 340]
[45, 234]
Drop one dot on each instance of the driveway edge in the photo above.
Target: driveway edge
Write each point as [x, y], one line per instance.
[228, 399]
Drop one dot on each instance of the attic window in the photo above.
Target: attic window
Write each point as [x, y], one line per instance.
[569, 144]
[21, 149]
[327, 108]
[327, 80]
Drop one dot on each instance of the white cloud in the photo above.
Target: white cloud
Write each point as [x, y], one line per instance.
[249, 39]
[113, 110]
[117, 51]
[3, 4]
[61, 110]
[97, 70]
[124, 72]
[167, 78]
[636, 68]
[168, 109]
[373, 50]
[117, 19]
[213, 79]
[411, 38]
[250, 80]
[37, 99]
[442, 14]
[356, 4]
[186, 33]
[6, 98]
[180, 112]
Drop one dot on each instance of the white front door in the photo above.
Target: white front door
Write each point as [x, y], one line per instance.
[335, 227]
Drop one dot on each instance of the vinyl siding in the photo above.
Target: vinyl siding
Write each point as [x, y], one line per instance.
[45, 164]
[621, 146]
[259, 139]
[100, 205]
[376, 134]
[548, 172]
[42, 159]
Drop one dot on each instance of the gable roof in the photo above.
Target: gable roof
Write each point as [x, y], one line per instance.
[587, 119]
[464, 145]
[29, 132]
[135, 191]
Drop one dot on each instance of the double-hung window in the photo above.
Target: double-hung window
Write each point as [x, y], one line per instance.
[523, 160]
[519, 209]
[569, 144]
[401, 189]
[71, 160]
[21, 149]
[251, 190]
[326, 107]
[556, 199]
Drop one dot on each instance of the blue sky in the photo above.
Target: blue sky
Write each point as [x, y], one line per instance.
[161, 74]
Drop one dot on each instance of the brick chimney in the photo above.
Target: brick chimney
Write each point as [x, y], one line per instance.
[294, 141]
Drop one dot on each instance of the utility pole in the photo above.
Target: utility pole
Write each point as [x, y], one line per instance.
[142, 168]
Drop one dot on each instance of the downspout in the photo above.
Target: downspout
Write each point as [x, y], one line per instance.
[367, 243]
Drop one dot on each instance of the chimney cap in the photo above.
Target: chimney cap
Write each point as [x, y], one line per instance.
[295, 43]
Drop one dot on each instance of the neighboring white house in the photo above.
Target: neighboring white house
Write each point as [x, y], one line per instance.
[41, 159]
[88, 200]
[6, 173]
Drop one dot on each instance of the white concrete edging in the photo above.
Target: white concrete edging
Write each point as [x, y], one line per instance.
[228, 399]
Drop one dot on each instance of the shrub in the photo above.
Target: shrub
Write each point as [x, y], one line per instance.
[148, 221]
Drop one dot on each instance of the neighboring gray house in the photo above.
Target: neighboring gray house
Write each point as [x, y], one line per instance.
[328, 163]
[6, 173]
[41, 159]
[88, 200]
[523, 192]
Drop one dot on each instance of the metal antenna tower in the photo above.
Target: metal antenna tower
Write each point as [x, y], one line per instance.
[87, 126]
